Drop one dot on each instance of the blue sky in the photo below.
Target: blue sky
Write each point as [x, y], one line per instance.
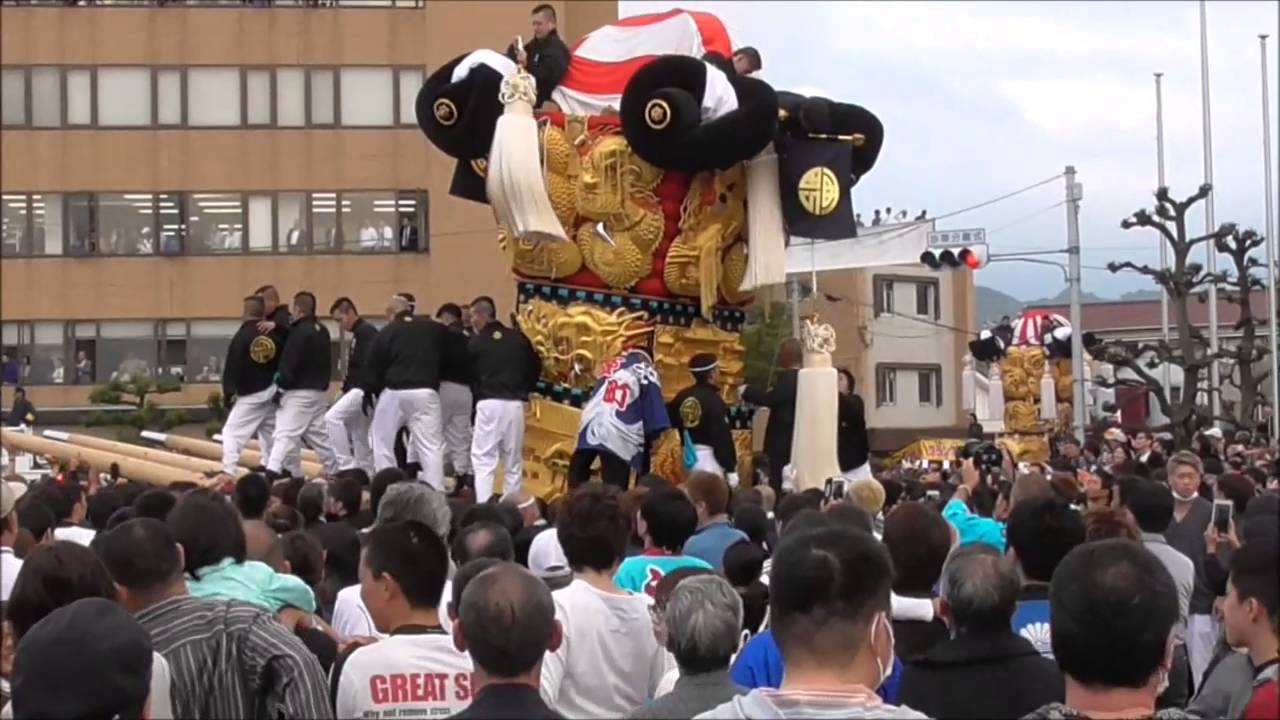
[980, 99]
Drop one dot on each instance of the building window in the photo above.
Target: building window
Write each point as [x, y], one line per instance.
[48, 354]
[291, 97]
[46, 97]
[169, 97]
[884, 296]
[125, 348]
[82, 236]
[126, 224]
[15, 224]
[929, 387]
[172, 229]
[410, 82]
[13, 97]
[213, 97]
[260, 223]
[369, 222]
[926, 299]
[207, 343]
[216, 222]
[291, 222]
[886, 387]
[124, 96]
[321, 90]
[257, 94]
[31, 224]
[367, 97]
[324, 223]
[79, 97]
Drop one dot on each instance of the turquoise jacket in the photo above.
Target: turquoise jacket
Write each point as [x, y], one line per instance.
[252, 582]
[972, 527]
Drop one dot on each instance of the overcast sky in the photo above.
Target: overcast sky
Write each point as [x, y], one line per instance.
[980, 99]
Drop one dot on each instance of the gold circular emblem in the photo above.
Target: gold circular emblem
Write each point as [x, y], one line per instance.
[262, 350]
[657, 114]
[690, 412]
[446, 112]
[819, 191]
[497, 334]
[480, 166]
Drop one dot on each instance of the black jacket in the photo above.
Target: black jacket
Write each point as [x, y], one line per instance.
[23, 412]
[252, 360]
[508, 700]
[362, 336]
[984, 675]
[852, 440]
[457, 365]
[504, 365]
[407, 354]
[548, 60]
[305, 363]
[280, 316]
[699, 410]
[781, 401]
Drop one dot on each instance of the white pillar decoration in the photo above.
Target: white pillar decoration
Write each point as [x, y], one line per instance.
[813, 442]
[967, 383]
[1048, 393]
[995, 393]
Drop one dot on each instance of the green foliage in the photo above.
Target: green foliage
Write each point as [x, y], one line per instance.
[766, 328]
[143, 413]
[217, 412]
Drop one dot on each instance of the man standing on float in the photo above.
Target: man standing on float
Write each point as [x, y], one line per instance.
[701, 415]
[625, 413]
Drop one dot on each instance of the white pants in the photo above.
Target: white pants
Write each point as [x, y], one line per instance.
[419, 410]
[707, 460]
[252, 414]
[455, 408]
[348, 429]
[862, 472]
[1202, 640]
[499, 435]
[301, 417]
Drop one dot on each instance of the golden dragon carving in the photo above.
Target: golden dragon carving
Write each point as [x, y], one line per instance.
[708, 259]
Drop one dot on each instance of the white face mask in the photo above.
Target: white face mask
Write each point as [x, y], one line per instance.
[1183, 498]
[885, 666]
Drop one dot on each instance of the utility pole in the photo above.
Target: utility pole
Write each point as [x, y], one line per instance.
[1271, 245]
[1075, 191]
[1215, 379]
[1164, 247]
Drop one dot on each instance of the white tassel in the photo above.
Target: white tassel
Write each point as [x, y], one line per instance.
[995, 393]
[516, 189]
[814, 439]
[1048, 393]
[766, 233]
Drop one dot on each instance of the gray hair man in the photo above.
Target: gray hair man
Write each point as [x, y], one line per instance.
[979, 594]
[703, 619]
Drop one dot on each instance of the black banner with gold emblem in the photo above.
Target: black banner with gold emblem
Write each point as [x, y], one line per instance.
[815, 179]
[469, 179]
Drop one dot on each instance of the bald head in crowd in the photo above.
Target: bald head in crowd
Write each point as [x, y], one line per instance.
[507, 621]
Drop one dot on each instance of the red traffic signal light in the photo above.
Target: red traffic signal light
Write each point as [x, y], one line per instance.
[973, 258]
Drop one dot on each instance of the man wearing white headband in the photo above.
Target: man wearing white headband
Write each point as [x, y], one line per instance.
[703, 420]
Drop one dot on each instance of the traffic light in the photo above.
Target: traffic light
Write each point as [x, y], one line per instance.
[955, 250]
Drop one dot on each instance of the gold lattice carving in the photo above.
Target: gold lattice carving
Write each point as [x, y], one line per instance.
[574, 340]
[667, 459]
[1021, 371]
[673, 346]
[742, 444]
[1026, 448]
[712, 219]
[1062, 378]
[551, 433]
[1022, 416]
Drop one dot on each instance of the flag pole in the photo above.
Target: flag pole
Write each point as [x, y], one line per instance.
[1271, 239]
[1164, 248]
[1211, 252]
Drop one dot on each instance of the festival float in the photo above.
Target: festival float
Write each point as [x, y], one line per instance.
[643, 205]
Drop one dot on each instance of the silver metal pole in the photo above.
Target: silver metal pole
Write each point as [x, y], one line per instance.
[1164, 248]
[1074, 194]
[1270, 244]
[1211, 253]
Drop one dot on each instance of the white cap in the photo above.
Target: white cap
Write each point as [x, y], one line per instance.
[546, 557]
[1215, 433]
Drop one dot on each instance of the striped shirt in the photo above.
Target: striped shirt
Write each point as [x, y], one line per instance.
[230, 659]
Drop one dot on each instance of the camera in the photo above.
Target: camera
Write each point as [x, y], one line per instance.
[986, 456]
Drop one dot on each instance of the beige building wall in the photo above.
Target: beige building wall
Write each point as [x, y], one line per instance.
[464, 259]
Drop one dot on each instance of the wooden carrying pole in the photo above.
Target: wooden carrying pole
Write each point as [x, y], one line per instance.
[130, 468]
[213, 451]
[183, 462]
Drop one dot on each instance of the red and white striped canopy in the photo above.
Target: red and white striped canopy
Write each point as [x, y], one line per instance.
[602, 62]
[1032, 326]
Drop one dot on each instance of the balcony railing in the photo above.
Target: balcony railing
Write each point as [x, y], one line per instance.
[343, 4]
